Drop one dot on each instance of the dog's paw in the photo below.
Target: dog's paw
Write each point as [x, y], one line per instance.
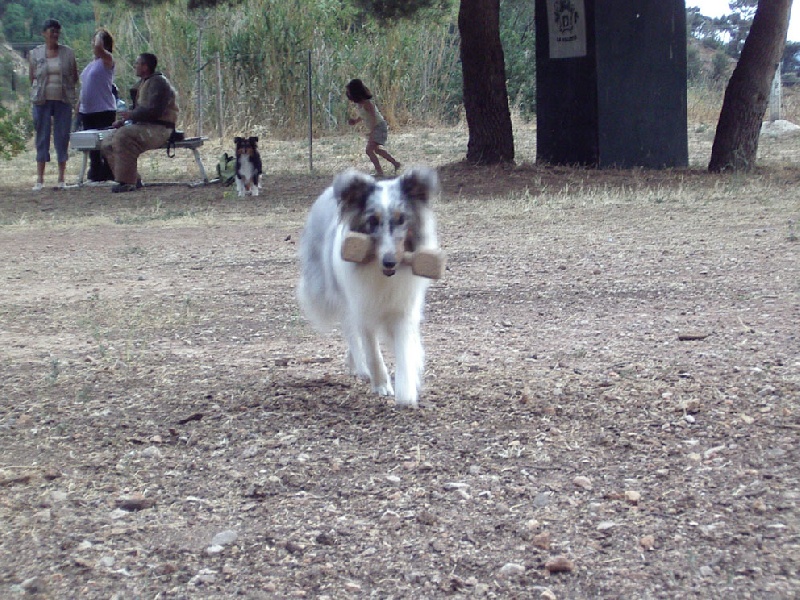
[383, 390]
[254, 191]
[354, 368]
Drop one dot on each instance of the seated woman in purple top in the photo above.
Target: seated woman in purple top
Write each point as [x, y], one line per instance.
[98, 107]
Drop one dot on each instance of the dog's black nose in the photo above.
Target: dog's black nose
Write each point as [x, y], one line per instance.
[389, 261]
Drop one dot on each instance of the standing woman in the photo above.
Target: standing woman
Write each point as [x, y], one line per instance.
[98, 107]
[53, 73]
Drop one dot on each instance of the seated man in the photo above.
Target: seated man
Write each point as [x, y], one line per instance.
[146, 127]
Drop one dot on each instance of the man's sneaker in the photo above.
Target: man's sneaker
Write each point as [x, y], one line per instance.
[37, 187]
[139, 184]
[121, 188]
[60, 186]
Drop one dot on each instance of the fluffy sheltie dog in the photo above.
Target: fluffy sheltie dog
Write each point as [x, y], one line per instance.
[248, 165]
[381, 299]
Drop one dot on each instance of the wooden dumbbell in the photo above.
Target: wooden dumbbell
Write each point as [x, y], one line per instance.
[427, 262]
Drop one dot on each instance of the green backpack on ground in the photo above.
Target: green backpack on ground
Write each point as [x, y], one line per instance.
[226, 169]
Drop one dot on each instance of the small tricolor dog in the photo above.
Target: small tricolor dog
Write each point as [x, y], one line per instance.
[248, 165]
[373, 292]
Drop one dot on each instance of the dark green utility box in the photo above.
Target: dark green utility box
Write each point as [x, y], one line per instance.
[611, 83]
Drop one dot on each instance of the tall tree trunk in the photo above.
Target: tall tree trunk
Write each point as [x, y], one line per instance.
[491, 139]
[747, 94]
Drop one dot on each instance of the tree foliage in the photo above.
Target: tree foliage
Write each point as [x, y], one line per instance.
[22, 19]
[190, 4]
[388, 10]
[727, 32]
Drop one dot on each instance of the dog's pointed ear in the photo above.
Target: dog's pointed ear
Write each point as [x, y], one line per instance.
[253, 139]
[419, 184]
[351, 189]
[238, 140]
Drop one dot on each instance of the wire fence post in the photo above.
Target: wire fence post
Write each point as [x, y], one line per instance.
[310, 119]
[201, 25]
[220, 122]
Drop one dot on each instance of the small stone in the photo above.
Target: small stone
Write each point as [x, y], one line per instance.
[511, 570]
[456, 485]
[706, 571]
[107, 562]
[152, 452]
[712, 452]
[135, 502]
[583, 482]
[294, 548]
[759, 505]
[326, 539]
[251, 451]
[632, 497]
[692, 405]
[224, 538]
[204, 576]
[547, 594]
[352, 586]
[51, 474]
[559, 564]
[34, 585]
[393, 479]
[648, 542]
[43, 515]
[58, 496]
[426, 518]
[214, 549]
[692, 336]
[532, 524]
[605, 526]
[542, 540]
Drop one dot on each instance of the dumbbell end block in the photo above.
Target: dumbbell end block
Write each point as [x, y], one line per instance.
[357, 248]
[429, 263]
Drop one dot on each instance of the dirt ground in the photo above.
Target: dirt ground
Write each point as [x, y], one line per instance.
[611, 405]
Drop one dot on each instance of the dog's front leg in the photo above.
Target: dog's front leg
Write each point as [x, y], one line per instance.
[378, 375]
[409, 357]
[240, 186]
[354, 359]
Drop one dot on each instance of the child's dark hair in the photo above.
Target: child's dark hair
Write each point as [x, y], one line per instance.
[357, 91]
[108, 41]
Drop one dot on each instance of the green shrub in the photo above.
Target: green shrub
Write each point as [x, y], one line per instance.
[15, 129]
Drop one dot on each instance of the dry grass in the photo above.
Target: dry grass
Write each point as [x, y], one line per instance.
[435, 145]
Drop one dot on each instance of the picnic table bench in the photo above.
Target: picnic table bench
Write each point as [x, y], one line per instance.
[90, 139]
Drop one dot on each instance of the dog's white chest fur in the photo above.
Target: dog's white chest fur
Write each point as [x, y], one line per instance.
[246, 170]
[245, 175]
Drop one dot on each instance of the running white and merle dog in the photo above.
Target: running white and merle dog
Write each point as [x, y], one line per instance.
[248, 165]
[381, 299]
